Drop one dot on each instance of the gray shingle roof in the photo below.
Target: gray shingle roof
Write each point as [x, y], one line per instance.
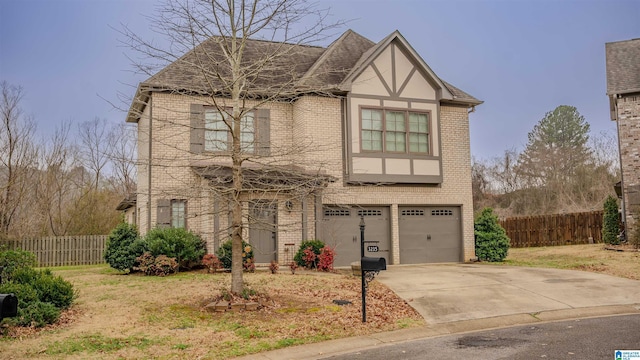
[623, 67]
[274, 68]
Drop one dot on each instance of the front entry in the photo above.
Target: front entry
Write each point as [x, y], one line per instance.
[262, 231]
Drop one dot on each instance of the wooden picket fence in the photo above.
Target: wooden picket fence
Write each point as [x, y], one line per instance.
[553, 230]
[63, 250]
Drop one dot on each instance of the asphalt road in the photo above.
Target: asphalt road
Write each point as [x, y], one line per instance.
[583, 339]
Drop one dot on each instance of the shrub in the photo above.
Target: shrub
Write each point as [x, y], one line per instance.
[36, 314]
[181, 244]
[11, 260]
[121, 253]
[55, 290]
[224, 254]
[325, 259]
[610, 221]
[24, 292]
[634, 234]
[48, 288]
[304, 258]
[274, 266]
[161, 265]
[492, 243]
[40, 294]
[212, 263]
[293, 267]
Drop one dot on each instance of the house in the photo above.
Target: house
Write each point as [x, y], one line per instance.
[361, 131]
[623, 89]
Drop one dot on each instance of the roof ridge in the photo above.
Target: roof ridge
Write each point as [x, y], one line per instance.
[327, 53]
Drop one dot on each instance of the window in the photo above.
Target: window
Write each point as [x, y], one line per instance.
[217, 136]
[395, 131]
[371, 130]
[178, 213]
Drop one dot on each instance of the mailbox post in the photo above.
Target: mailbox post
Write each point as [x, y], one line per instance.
[369, 268]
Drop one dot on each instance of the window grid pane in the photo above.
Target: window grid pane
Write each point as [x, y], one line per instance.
[177, 213]
[215, 135]
[418, 135]
[371, 133]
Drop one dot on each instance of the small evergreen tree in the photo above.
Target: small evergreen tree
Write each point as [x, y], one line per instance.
[610, 221]
[120, 253]
[492, 243]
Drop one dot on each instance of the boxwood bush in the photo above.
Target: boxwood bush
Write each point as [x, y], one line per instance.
[178, 243]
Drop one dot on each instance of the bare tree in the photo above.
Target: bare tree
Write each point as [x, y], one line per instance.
[216, 35]
[122, 149]
[93, 148]
[17, 155]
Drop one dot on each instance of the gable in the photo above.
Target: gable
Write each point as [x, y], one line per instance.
[394, 74]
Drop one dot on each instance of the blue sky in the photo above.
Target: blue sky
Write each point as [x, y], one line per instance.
[522, 58]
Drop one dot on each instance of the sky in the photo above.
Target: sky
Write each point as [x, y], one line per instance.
[522, 58]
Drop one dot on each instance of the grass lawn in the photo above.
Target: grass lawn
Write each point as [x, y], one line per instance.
[139, 317]
[579, 257]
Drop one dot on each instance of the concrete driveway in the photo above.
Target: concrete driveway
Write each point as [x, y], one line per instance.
[458, 292]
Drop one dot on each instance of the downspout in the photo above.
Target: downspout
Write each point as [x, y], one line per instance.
[622, 203]
[149, 164]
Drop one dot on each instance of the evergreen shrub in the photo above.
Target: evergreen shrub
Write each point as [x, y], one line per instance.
[492, 243]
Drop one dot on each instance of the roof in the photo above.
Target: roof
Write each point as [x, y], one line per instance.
[284, 69]
[623, 67]
[128, 202]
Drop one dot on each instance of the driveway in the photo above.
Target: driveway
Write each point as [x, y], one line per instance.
[457, 292]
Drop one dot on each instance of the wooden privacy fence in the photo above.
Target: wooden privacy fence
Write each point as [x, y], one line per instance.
[63, 250]
[552, 230]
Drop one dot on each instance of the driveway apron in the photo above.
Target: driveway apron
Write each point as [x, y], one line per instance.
[455, 292]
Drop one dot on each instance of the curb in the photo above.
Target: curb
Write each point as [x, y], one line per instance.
[329, 348]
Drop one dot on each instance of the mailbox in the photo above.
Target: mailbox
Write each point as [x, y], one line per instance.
[8, 306]
[373, 264]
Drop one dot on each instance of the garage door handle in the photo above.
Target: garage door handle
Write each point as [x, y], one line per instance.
[429, 237]
[355, 239]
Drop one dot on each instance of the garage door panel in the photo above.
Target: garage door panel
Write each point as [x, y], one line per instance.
[429, 234]
[341, 230]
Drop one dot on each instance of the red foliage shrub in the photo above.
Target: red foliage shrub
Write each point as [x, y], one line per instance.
[325, 260]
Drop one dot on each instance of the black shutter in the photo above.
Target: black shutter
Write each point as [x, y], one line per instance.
[263, 132]
[197, 128]
[164, 213]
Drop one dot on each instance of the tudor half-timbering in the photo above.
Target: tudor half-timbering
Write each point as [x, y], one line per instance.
[372, 133]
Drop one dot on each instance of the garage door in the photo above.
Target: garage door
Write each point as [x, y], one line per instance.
[340, 229]
[429, 234]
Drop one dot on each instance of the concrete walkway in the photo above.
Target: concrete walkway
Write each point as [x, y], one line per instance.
[455, 298]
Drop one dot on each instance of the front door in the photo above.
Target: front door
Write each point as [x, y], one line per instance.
[262, 231]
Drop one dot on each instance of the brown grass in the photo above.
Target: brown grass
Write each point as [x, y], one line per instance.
[133, 317]
[592, 258]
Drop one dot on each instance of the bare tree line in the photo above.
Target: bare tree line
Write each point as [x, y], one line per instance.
[561, 170]
[67, 184]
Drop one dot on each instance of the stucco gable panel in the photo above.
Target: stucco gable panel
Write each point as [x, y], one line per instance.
[369, 83]
[418, 88]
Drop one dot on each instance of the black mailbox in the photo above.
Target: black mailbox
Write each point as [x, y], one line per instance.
[8, 306]
[373, 264]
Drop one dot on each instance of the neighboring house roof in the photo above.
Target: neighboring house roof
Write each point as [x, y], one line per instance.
[126, 203]
[623, 67]
[289, 70]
